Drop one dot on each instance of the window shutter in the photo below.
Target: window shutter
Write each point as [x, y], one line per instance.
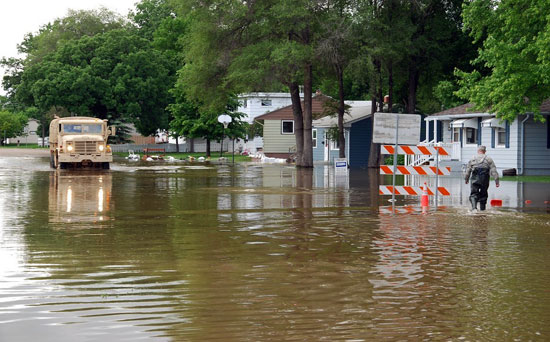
[461, 136]
[507, 134]
[479, 132]
[492, 137]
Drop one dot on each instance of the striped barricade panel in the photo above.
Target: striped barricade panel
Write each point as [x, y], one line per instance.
[420, 149]
[411, 190]
[415, 170]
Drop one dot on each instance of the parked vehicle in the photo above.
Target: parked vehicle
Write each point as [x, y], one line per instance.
[80, 142]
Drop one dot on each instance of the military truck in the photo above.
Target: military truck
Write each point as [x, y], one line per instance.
[80, 142]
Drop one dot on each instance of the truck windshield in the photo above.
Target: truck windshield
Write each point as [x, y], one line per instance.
[82, 128]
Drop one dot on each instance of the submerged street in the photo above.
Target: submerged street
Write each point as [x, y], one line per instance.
[251, 252]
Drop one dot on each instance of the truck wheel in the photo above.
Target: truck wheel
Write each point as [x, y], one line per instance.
[105, 166]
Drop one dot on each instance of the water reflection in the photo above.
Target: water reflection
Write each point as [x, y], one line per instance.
[81, 197]
[259, 253]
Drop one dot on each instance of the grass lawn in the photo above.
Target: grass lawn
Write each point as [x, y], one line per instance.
[527, 179]
[182, 156]
[23, 146]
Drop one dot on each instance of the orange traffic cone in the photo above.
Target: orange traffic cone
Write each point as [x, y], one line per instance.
[424, 200]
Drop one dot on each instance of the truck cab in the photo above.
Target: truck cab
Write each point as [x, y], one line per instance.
[80, 142]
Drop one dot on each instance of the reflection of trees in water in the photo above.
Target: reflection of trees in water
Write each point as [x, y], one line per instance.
[304, 195]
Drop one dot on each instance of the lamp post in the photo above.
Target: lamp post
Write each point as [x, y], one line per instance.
[225, 120]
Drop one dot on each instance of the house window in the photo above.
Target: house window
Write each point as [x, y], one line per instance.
[334, 145]
[314, 138]
[471, 135]
[266, 103]
[456, 134]
[287, 127]
[245, 103]
[500, 134]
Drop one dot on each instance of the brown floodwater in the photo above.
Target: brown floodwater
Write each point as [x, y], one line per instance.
[180, 252]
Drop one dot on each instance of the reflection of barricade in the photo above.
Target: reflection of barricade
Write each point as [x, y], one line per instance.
[411, 190]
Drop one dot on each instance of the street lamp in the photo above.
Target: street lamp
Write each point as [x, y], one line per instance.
[225, 120]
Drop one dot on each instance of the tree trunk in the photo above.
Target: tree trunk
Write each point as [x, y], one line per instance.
[413, 84]
[374, 153]
[177, 144]
[341, 112]
[208, 148]
[191, 145]
[307, 157]
[298, 121]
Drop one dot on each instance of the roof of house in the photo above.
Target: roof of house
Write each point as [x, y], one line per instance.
[468, 109]
[266, 95]
[358, 110]
[286, 113]
[318, 109]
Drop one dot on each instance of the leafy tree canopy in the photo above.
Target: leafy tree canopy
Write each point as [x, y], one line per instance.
[113, 75]
[516, 50]
[194, 121]
[75, 25]
[11, 124]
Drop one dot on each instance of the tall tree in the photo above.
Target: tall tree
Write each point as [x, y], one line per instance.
[336, 48]
[515, 38]
[114, 75]
[278, 35]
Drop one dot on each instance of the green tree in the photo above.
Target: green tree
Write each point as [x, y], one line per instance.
[193, 122]
[75, 25]
[515, 38]
[235, 46]
[149, 15]
[11, 124]
[115, 75]
[336, 48]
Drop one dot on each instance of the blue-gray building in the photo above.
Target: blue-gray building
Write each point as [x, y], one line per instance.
[357, 131]
[523, 144]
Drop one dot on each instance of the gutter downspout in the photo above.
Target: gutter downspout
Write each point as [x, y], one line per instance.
[522, 150]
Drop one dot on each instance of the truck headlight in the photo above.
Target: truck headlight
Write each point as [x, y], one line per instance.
[70, 148]
[101, 147]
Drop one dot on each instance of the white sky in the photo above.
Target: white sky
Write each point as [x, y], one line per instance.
[18, 17]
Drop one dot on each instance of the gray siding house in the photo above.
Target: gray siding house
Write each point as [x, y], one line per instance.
[523, 144]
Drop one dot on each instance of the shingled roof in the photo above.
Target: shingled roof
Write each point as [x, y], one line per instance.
[468, 109]
[285, 113]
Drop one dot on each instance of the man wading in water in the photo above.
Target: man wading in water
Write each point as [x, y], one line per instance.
[480, 167]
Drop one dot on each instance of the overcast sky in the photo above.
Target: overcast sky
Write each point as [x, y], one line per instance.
[18, 17]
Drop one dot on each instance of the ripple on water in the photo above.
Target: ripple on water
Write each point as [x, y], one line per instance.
[246, 255]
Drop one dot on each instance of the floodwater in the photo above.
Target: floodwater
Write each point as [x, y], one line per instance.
[179, 252]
